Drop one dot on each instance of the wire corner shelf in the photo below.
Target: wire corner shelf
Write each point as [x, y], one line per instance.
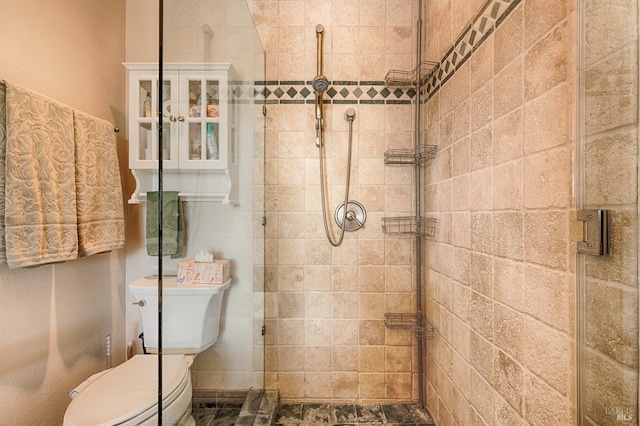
[417, 155]
[423, 226]
[409, 321]
[416, 77]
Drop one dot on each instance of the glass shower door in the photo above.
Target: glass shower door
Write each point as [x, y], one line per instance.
[607, 179]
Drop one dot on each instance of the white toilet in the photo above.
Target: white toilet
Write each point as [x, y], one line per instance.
[128, 393]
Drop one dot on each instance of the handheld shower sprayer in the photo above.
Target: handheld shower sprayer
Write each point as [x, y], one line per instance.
[350, 215]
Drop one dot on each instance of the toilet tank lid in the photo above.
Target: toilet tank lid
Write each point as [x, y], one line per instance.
[127, 390]
[170, 285]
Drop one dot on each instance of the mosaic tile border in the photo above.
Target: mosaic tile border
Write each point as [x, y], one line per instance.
[483, 24]
[487, 19]
[339, 92]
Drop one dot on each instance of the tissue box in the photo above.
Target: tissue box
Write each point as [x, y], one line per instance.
[216, 272]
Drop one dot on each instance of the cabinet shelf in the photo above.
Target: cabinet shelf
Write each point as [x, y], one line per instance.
[416, 77]
[424, 226]
[416, 155]
[203, 185]
[409, 321]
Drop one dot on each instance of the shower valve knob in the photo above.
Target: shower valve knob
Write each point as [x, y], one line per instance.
[140, 303]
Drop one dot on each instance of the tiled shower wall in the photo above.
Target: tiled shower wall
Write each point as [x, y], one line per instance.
[501, 273]
[325, 335]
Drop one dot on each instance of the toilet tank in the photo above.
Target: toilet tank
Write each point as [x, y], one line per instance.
[190, 314]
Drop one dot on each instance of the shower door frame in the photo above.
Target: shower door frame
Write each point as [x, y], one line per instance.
[629, 415]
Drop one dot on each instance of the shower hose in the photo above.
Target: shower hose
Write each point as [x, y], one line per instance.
[349, 116]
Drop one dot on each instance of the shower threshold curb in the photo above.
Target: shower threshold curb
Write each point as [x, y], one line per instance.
[259, 408]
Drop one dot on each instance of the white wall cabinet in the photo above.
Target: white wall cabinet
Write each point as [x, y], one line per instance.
[199, 133]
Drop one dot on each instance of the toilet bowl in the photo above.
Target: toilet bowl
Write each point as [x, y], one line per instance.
[128, 393]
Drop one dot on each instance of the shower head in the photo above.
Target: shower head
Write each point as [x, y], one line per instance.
[320, 83]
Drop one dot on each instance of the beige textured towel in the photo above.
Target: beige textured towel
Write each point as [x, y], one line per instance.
[40, 203]
[98, 189]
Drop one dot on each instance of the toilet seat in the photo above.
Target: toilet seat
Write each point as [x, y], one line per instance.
[128, 394]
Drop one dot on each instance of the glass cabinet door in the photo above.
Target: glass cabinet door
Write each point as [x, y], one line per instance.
[144, 150]
[204, 131]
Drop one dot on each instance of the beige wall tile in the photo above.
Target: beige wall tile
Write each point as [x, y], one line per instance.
[345, 385]
[481, 396]
[345, 332]
[546, 239]
[482, 101]
[318, 304]
[543, 404]
[290, 332]
[509, 140]
[371, 332]
[461, 117]
[317, 384]
[291, 305]
[480, 189]
[508, 85]
[509, 39]
[547, 180]
[540, 16]
[546, 64]
[318, 332]
[372, 385]
[548, 120]
[507, 186]
[547, 355]
[482, 232]
[509, 333]
[608, 386]
[612, 308]
[509, 381]
[291, 358]
[291, 385]
[548, 296]
[610, 160]
[508, 283]
[317, 358]
[508, 235]
[481, 274]
[612, 25]
[481, 315]
[461, 84]
[398, 386]
[482, 64]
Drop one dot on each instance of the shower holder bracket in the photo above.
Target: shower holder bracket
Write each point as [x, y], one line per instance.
[595, 232]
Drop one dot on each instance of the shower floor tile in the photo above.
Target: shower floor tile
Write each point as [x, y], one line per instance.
[314, 414]
[209, 414]
[212, 414]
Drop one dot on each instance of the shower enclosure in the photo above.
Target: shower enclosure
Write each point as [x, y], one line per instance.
[222, 205]
[607, 175]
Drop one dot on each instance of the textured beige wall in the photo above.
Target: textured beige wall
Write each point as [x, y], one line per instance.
[325, 306]
[501, 280]
[55, 318]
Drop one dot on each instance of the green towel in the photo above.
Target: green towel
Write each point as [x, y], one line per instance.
[172, 224]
